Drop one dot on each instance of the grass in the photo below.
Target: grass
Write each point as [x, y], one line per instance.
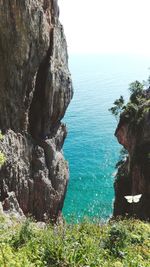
[115, 244]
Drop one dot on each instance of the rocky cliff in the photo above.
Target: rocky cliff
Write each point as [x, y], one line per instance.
[35, 90]
[133, 177]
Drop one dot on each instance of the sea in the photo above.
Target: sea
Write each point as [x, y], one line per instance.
[91, 148]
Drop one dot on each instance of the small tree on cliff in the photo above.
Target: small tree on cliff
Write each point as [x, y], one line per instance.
[118, 107]
[136, 88]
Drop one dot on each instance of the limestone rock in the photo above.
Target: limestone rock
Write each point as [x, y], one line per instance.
[133, 177]
[35, 89]
[11, 205]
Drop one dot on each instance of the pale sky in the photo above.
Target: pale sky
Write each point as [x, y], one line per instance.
[106, 26]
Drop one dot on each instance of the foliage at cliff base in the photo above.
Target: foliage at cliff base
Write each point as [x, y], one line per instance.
[115, 244]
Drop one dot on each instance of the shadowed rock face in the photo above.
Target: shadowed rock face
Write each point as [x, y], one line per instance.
[35, 90]
[133, 175]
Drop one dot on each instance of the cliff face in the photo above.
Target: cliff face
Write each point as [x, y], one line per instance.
[35, 90]
[133, 177]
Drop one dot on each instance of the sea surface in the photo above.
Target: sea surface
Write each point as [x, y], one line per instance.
[91, 148]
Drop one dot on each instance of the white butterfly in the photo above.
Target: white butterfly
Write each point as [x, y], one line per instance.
[133, 199]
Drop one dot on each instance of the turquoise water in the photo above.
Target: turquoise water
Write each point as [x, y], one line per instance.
[91, 148]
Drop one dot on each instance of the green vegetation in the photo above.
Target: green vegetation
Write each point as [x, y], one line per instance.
[136, 89]
[115, 244]
[137, 106]
[118, 107]
[2, 157]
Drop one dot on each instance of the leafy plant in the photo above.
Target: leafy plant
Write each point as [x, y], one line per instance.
[24, 235]
[116, 240]
[136, 87]
[131, 110]
[114, 244]
[137, 98]
[118, 107]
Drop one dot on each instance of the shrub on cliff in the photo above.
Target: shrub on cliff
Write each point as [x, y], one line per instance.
[136, 89]
[118, 107]
[137, 98]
